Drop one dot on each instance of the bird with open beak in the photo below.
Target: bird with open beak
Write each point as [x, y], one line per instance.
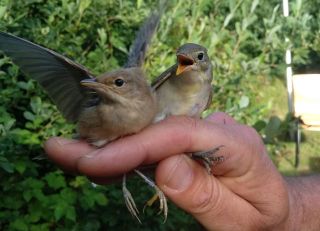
[185, 88]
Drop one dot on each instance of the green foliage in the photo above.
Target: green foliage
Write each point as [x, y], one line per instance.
[245, 40]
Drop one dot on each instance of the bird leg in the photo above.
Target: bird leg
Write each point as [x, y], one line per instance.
[128, 199]
[209, 160]
[208, 157]
[159, 194]
[131, 205]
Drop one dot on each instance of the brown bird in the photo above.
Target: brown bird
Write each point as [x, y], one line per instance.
[185, 89]
[123, 95]
[106, 107]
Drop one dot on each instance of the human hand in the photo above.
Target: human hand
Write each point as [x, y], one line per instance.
[245, 192]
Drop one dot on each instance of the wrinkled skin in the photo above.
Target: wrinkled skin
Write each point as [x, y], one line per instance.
[245, 192]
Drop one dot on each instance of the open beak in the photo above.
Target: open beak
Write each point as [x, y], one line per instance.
[90, 83]
[184, 63]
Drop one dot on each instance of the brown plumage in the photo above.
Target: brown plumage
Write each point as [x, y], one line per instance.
[185, 88]
[127, 106]
[106, 107]
[114, 108]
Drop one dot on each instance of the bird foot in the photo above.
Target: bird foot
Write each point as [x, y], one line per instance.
[208, 158]
[151, 201]
[128, 199]
[159, 194]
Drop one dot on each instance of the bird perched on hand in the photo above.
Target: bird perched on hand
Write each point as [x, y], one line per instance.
[185, 88]
[106, 107]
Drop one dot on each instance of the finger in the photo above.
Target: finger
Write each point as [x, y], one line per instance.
[66, 152]
[221, 118]
[170, 137]
[245, 166]
[190, 187]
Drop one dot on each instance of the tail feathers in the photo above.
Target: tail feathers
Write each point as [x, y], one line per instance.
[143, 38]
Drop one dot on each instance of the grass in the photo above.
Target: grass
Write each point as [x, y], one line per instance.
[275, 91]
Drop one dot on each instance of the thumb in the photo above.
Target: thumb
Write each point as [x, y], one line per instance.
[189, 186]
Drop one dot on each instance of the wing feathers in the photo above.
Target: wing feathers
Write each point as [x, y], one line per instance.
[58, 75]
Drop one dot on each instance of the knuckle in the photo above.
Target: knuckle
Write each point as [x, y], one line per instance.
[182, 130]
[255, 141]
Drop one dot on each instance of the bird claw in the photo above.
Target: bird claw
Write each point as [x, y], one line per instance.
[208, 158]
[128, 199]
[163, 204]
[163, 208]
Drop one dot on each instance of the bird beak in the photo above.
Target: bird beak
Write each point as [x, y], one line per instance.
[184, 63]
[90, 83]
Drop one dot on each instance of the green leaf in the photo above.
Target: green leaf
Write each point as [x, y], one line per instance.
[3, 10]
[34, 215]
[59, 211]
[259, 125]
[8, 167]
[23, 85]
[36, 104]
[228, 19]
[84, 4]
[139, 3]
[68, 195]
[102, 36]
[29, 116]
[254, 5]
[116, 42]
[79, 181]
[20, 166]
[19, 224]
[55, 180]
[101, 199]
[71, 213]
[244, 101]
[24, 136]
[27, 195]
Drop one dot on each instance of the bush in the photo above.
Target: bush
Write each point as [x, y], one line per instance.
[244, 40]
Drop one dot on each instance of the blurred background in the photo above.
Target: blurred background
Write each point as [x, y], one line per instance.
[246, 42]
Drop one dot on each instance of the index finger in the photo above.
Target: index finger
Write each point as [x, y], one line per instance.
[172, 136]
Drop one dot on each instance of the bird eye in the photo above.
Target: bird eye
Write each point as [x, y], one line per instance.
[119, 82]
[200, 56]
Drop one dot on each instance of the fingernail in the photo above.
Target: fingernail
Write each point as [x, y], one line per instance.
[62, 141]
[181, 174]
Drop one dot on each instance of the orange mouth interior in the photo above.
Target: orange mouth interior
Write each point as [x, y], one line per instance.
[184, 62]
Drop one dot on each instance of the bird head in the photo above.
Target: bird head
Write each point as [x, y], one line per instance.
[192, 56]
[118, 85]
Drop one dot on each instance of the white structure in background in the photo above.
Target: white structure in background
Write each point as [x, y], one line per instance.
[285, 4]
[285, 8]
[303, 96]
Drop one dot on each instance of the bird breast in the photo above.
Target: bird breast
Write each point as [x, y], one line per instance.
[187, 94]
[109, 122]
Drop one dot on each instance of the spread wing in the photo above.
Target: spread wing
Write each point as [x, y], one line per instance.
[58, 75]
[163, 77]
